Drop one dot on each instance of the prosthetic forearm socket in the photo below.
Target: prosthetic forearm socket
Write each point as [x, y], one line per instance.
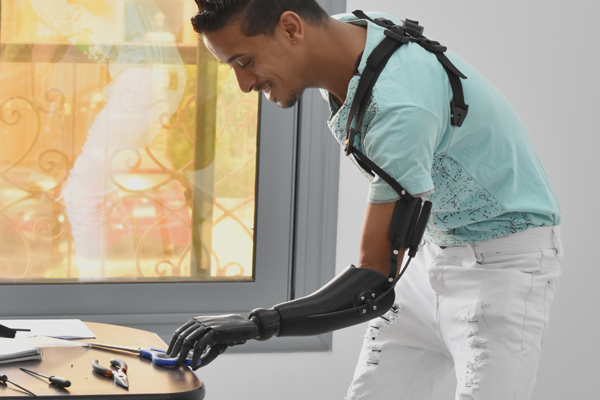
[354, 296]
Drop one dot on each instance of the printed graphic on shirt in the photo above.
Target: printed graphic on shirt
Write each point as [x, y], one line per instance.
[464, 211]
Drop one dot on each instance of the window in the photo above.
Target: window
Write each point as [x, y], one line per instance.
[139, 185]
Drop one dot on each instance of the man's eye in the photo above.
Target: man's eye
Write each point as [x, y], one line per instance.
[246, 64]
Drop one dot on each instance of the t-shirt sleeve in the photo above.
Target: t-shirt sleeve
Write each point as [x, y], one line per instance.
[402, 141]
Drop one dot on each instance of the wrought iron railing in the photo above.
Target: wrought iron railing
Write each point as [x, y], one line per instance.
[42, 128]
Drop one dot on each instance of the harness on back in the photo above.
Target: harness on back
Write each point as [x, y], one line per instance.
[360, 294]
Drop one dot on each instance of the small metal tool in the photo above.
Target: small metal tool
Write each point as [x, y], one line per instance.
[118, 376]
[55, 380]
[4, 379]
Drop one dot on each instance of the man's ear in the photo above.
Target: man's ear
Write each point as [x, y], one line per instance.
[292, 25]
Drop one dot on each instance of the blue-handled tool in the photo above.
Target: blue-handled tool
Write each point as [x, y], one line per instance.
[158, 356]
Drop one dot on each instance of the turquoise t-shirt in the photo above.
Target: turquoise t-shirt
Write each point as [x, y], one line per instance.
[484, 178]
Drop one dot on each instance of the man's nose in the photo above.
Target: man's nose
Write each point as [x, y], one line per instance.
[246, 80]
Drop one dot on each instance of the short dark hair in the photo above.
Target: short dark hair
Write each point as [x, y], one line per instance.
[259, 17]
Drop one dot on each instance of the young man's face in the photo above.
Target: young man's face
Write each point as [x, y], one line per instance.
[261, 63]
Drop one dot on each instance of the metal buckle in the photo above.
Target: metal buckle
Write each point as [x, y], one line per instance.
[458, 114]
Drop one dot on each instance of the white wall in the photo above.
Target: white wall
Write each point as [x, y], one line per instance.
[543, 55]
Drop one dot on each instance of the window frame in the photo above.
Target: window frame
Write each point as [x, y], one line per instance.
[295, 234]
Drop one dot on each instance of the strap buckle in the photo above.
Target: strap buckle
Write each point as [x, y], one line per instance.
[458, 113]
[431, 46]
[349, 144]
[397, 35]
[384, 22]
[413, 28]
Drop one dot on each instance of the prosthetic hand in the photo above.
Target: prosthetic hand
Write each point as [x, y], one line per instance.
[211, 335]
[354, 296]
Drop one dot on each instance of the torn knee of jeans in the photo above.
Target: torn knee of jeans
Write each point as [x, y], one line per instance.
[479, 354]
[472, 328]
[467, 390]
[476, 342]
[472, 383]
[473, 319]
[391, 316]
[373, 355]
[372, 332]
[472, 323]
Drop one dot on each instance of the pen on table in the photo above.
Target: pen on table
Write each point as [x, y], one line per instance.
[55, 380]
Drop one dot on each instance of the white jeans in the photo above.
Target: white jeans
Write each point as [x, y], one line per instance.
[480, 308]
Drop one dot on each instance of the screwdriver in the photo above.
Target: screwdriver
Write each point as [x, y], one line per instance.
[55, 380]
[4, 379]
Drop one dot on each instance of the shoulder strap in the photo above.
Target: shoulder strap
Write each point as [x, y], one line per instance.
[396, 36]
[375, 63]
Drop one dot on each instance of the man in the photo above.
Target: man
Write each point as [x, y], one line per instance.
[477, 295]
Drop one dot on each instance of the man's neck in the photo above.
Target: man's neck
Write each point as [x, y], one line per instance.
[335, 49]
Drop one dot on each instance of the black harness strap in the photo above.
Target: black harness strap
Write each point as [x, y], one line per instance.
[375, 63]
[370, 166]
[458, 107]
[411, 214]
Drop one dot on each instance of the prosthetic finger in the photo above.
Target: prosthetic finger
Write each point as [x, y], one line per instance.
[183, 336]
[190, 341]
[213, 353]
[177, 333]
[200, 347]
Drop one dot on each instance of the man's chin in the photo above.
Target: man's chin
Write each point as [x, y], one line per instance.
[289, 103]
[286, 103]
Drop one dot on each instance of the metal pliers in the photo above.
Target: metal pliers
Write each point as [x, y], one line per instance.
[118, 376]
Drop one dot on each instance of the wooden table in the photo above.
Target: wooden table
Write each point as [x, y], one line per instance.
[146, 380]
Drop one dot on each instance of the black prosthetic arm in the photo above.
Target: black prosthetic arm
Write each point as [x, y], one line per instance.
[354, 296]
[357, 294]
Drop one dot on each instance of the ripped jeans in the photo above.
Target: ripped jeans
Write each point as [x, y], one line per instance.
[480, 308]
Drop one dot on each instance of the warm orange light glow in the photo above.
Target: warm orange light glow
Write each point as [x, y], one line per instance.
[102, 164]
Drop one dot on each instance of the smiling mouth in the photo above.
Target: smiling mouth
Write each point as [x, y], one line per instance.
[266, 89]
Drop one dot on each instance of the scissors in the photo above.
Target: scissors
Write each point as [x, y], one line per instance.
[118, 376]
[158, 356]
